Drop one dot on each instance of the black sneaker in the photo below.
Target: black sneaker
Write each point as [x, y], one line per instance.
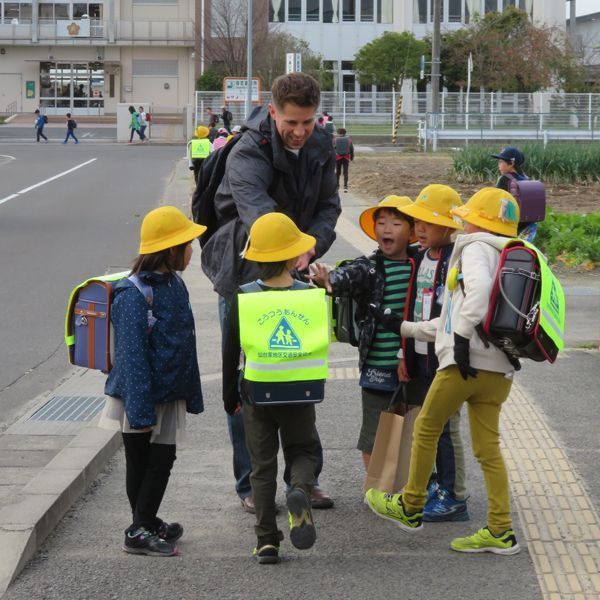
[170, 532]
[142, 541]
[302, 529]
[268, 554]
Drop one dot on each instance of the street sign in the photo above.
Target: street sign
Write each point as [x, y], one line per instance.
[235, 89]
[293, 62]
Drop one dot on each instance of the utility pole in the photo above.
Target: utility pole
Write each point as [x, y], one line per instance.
[435, 58]
[573, 25]
[249, 62]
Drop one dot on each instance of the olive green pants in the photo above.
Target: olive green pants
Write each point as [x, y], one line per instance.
[484, 396]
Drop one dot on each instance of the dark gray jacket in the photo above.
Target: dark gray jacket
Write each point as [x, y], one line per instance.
[262, 177]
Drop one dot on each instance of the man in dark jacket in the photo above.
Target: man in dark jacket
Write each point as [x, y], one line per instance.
[282, 163]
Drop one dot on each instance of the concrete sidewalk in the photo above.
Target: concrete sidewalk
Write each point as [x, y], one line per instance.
[356, 555]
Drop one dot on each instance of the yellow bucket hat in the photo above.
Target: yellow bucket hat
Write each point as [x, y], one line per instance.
[166, 227]
[492, 209]
[366, 221]
[434, 205]
[201, 132]
[274, 237]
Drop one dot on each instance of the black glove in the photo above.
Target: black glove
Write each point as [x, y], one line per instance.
[388, 319]
[514, 361]
[461, 356]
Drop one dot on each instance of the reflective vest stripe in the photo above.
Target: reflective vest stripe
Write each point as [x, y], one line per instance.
[553, 324]
[292, 364]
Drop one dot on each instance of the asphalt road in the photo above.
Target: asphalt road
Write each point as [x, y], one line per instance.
[55, 133]
[55, 236]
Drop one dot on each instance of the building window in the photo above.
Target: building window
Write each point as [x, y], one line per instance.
[491, 6]
[331, 11]
[294, 10]
[347, 65]
[276, 11]
[349, 10]
[455, 11]
[312, 10]
[367, 12]
[385, 11]
[18, 11]
[93, 11]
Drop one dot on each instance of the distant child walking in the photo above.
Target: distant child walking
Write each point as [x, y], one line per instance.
[434, 226]
[71, 126]
[278, 384]
[40, 121]
[344, 153]
[155, 377]
[470, 371]
[134, 125]
[383, 279]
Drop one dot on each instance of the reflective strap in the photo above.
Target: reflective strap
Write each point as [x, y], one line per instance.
[555, 327]
[286, 366]
[70, 340]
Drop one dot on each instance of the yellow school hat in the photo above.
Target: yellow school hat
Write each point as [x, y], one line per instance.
[434, 205]
[274, 237]
[492, 209]
[366, 221]
[201, 132]
[166, 227]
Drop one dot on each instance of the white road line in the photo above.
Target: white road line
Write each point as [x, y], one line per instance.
[7, 156]
[86, 135]
[32, 187]
[8, 198]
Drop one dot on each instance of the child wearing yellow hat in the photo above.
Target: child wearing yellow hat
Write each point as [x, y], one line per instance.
[470, 371]
[198, 148]
[434, 226]
[383, 278]
[155, 377]
[275, 243]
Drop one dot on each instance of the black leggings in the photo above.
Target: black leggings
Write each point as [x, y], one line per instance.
[148, 470]
[342, 165]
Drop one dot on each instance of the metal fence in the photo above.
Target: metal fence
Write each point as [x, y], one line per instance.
[378, 108]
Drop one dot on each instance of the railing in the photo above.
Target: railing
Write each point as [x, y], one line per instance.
[11, 109]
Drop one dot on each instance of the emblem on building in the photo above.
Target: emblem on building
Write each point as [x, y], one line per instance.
[73, 29]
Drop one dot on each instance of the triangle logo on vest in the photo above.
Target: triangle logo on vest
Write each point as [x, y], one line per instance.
[284, 337]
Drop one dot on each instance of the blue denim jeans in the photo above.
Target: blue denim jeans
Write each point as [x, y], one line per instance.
[242, 466]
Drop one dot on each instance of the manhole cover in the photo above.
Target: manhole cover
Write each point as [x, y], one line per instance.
[69, 408]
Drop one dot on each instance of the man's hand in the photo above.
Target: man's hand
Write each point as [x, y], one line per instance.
[403, 371]
[304, 260]
[388, 319]
[462, 357]
[319, 275]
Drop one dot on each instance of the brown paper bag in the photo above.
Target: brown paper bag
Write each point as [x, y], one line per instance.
[390, 460]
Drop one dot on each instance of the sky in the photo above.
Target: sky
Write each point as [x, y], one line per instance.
[585, 7]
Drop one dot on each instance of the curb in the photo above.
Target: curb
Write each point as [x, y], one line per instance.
[47, 497]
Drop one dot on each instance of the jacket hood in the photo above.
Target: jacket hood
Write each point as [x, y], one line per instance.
[464, 239]
[259, 121]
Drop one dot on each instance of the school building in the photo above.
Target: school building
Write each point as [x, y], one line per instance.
[336, 29]
[85, 57]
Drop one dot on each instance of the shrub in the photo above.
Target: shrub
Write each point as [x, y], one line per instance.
[556, 163]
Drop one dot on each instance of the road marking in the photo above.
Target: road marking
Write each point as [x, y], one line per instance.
[37, 185]
[559, 521]
[7, 156]
[86, 135]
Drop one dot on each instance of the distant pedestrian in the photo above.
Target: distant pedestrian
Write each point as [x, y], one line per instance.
[40, 121]
[71, 126]
[226, 117]
[212, 118]
[143, 121]
[510, 165]
[344, 153]
[134, 124]
[155, 378]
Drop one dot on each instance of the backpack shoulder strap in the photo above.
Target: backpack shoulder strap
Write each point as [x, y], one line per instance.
[253, 286]
[144, 288]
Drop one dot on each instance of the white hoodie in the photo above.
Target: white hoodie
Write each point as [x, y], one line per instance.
[479, 255]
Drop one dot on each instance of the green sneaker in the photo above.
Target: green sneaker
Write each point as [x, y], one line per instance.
[389, 506]
[485, 541]
[302, 529]
[267, 554]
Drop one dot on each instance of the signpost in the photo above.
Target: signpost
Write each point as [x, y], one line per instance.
[235, 89]
[293, 62]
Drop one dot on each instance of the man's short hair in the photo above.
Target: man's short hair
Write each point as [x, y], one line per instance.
[296, 88]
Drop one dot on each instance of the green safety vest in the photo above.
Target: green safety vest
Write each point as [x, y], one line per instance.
[552, 301]
[284, 335]
[200, 148]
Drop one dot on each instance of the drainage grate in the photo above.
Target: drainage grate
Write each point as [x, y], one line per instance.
[69, 408]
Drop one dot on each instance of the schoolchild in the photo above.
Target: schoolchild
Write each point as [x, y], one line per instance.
[275, 243]
[155, 377]
[469, 371]
[383, 278]
[221, 140]
[510, 165]
[344, 153]
[434, 226]
[71, 125]
[40, 121]
[198, 148]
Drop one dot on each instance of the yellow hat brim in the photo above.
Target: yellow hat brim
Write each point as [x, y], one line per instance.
[184, 236]
[493, 225]
[422, 213]
[299, 247]
[366, 222]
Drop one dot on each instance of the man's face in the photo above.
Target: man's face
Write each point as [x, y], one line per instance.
[295, 124]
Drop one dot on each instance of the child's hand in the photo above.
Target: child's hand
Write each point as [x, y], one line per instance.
[319, 275]
[403, 371]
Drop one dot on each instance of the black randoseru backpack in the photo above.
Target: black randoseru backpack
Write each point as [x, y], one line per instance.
[210, 176]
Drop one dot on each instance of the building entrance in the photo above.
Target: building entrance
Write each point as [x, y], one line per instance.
[77, 88]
